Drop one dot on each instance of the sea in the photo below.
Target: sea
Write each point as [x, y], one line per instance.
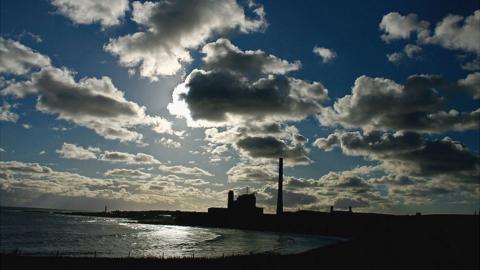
[45, 232]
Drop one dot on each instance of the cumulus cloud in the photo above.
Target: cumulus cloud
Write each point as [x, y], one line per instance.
[228, 94]
[271, 147]
[252, 173]
[378, 103]
[326, 54]
[410, 51]
[127, 173]
[29, 35]
[172, 28]
[138, 158]
[91, 102]
[94, 103]
[106, 12]
[179, 169]
[471, 84]
[377, 187]
[396, 26]
[457, 32]
[236, 99]
[34, 183]
[196, 182]
[247, 107]
[167, 142]
[6, 114]
[409, 153]
[72, 151]
[239, 95]
[472, 65]
[452, 32]
[395, 57]
[262, 142]
[274, 97]
[222, 54]
[17, 59]
[22, 168]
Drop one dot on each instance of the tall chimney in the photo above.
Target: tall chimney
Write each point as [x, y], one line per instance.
[280, 187]
[230, 199]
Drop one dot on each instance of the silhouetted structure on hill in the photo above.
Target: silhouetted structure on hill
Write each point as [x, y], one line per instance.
[243, 206]
[280, 187]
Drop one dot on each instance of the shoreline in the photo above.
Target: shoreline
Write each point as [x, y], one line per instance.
[459, 251]
[376, 242]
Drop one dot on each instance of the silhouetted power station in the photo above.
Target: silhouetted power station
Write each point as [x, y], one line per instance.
[245, 204]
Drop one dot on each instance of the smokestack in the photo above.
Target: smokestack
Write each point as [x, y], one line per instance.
[280, 187]
[230, 199]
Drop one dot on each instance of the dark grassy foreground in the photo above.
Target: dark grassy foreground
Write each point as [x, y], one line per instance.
[424, 249]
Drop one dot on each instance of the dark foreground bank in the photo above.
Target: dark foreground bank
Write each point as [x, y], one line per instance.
[424, 249]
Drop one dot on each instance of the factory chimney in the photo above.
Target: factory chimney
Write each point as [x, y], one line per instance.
[230, 199]
[280, 187]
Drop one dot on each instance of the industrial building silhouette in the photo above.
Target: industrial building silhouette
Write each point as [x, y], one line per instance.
[245, 204]
[244, 207]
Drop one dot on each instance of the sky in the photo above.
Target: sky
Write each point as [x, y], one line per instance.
[170, 104]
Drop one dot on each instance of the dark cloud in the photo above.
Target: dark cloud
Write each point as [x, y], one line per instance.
[399, 180]
[244, 85]
[246, 100]
[423, 192]
[258, 128]
[222, 54]
[270, 147]
[172, 28]
[216, 95]
[352, 181]
[379, 143]
[377, 103]
[90, 102]
[408, 153]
